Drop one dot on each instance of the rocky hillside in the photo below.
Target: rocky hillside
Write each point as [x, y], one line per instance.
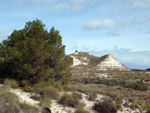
[106, 62]
[88, 67]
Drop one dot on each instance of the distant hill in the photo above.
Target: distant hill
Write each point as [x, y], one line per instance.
[87, 67]
[104, 63]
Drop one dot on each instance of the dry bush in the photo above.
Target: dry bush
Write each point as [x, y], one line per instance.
[105, 106]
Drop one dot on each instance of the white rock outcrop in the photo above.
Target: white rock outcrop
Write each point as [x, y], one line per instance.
[77, 62]
[104, 63]
[108, 62]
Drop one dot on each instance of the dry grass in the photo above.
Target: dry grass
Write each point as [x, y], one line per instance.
[11, 83]
[9, 103]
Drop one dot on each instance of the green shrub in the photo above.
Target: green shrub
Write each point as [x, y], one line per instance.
[105, 106]
[45, 101]
[25, 83]
[45, 89]
[57, 85]
[38, 87]
[47, 92]
[111, 82]
[138, 85]
[69, 100]
[27, 88]
[92, 96]
[77, 95]
[81, 110]
[118, 105]
[11, 83]
[51, 92]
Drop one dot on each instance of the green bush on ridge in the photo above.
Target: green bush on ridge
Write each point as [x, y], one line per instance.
[138, 85]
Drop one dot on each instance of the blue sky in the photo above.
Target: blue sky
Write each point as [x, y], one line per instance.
[119, 27]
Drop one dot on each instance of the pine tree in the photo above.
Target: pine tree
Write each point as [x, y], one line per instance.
[59, 64]
[34, 54]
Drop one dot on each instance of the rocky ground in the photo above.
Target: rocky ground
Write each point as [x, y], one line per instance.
[25, 97]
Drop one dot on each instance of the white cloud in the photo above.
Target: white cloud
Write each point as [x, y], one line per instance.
[98, 24]
[141, 4]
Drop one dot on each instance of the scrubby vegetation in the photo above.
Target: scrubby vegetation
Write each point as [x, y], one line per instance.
[11, 83]
[46, 89]
[71, 100]
[9, 103]
[46, 92]
[138, 85]
[91, 92]
[94, 91]
[105, 106]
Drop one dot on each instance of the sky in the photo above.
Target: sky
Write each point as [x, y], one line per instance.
[119, 27]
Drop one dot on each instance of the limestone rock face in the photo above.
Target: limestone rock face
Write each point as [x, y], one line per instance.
[81, 58]
[77, 62]
[106, 62]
